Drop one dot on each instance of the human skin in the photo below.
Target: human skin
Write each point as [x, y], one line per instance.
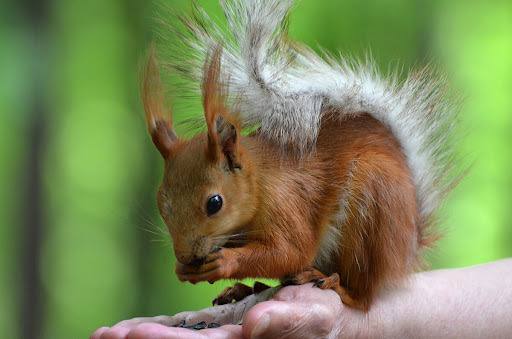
[473, 302]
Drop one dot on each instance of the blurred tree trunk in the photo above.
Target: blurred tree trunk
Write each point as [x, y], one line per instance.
[144, 218]
[35, 12]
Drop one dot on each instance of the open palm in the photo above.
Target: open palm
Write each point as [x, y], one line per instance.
[294, 312]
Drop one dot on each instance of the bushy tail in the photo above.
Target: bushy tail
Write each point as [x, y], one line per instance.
[285, 87]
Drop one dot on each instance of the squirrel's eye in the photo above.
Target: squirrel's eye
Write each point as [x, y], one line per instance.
[214, 204]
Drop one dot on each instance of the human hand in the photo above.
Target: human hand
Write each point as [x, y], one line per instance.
[294, 312]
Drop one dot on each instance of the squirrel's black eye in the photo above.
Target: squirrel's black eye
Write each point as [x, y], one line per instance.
[214, 204]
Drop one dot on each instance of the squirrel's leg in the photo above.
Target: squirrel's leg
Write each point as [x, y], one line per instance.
[380, 238]
[333, 283]
[266, 260]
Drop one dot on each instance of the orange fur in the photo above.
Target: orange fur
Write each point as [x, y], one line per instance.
[278, 208]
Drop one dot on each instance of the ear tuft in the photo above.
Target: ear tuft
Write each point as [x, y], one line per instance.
[158, 117]
[212, 88]
[223, 131]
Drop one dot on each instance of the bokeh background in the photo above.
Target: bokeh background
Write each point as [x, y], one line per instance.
[81, 244]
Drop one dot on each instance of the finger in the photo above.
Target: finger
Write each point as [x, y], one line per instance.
[97, 334]
[157, 331]
[116, 332]
[130, 323]
[119, 329]
[123, 328]
[278, 319]
[224, 332]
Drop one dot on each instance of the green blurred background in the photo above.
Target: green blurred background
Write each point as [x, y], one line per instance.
[80, 240]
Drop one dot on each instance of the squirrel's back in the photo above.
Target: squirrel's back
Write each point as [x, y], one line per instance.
[349, 205]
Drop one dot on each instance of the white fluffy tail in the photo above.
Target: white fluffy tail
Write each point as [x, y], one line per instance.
[284, 88]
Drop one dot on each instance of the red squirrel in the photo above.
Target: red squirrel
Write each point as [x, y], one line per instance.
[339, 183]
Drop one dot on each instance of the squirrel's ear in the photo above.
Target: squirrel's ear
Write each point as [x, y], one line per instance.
[223, 131]
[158, 117]
[228, 141]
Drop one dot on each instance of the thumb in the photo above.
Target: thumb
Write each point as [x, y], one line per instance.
[278, 319]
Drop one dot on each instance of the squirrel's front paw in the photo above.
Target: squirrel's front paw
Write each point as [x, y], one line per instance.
[218, 265]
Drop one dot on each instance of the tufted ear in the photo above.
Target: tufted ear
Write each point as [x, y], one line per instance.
[223, 128]
[158, 117]
[227, 135]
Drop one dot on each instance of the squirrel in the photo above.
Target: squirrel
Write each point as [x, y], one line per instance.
[337, 184]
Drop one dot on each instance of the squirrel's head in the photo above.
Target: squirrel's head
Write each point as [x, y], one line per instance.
[207, 195]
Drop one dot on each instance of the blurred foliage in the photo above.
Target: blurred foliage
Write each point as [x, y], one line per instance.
[104, 253]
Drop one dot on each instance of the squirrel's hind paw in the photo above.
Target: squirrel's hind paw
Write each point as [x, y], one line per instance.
[333, 283]
[320, 280]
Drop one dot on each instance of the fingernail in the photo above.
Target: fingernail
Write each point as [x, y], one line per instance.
[261, 327]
